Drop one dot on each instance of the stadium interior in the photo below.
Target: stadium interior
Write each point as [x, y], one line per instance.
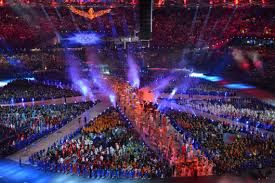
[137, 91]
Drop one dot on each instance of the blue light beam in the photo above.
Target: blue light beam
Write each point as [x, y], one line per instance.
[85, 38]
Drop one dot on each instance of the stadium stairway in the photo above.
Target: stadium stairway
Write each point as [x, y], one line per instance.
[69, 128]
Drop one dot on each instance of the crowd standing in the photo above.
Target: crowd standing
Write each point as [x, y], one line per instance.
[167, 24]
[108, 147]
[249, 111]
[232, 148]
[184, 156]
[22, 125]
[27, 90]
[151, 143]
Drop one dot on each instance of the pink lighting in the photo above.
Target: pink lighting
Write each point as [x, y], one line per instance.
[185, 3]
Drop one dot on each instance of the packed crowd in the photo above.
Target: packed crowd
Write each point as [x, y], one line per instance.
[249, 111]
[61, 20]
[210, 27]
[201, 88]
[232, 148]
[22, 125]
[106, 147]
[229, 148]
[158, 3]
[18, 29]
[180, 143]
[6, 134]
[184, 156]
[26, 90]
[177, 25]
[183, 84]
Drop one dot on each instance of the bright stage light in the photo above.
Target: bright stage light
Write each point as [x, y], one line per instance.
[213, 78]
[112, 99]
[83, 87]
[196, 75]
[239, 86]
[84, 38]
[173, 93]
[202, 76]
[133, 72]
[5, 82]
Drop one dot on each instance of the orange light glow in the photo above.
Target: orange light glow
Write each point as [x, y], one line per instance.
[160, 2]
[91, 14]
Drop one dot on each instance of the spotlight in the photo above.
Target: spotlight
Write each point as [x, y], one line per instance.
[84, 38]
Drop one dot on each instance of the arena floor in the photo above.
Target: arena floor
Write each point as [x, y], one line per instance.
[11, 172]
